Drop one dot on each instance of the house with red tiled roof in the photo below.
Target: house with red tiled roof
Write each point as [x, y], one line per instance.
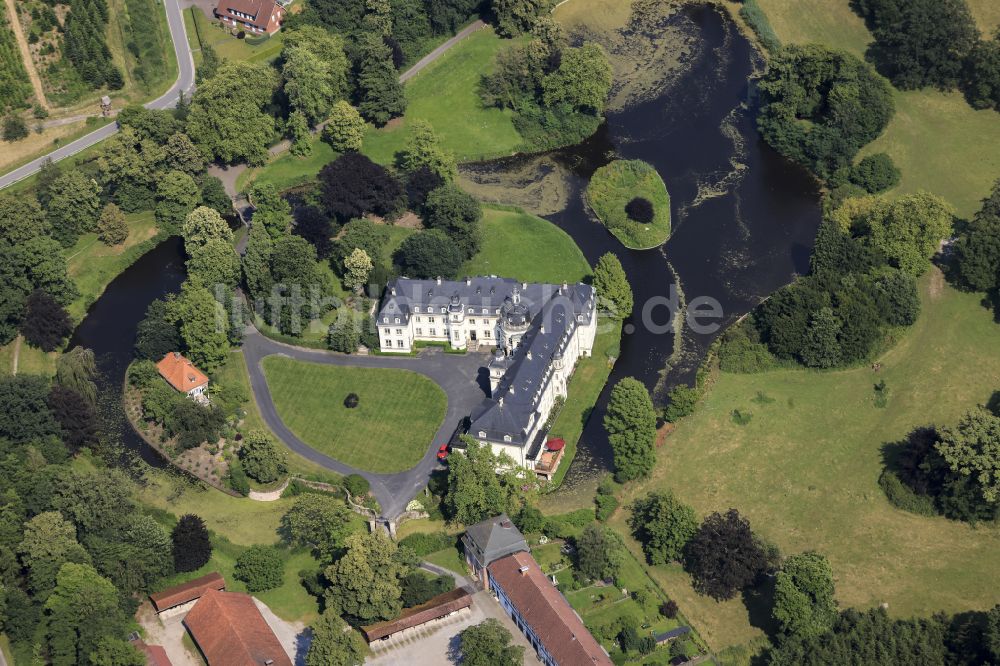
[184, 376]
[229, 630]
[542, 613]
[254, 16]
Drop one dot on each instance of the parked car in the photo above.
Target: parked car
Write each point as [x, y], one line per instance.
[443, 452]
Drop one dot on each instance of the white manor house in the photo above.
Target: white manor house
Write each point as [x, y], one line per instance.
[537, 331]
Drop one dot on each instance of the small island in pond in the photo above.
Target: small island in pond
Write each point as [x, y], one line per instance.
[629, 197]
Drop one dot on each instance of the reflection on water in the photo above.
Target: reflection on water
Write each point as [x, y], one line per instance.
[744, 218]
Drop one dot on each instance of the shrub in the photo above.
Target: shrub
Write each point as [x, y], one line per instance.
[605, 506]
[14, 128]
[875, 173]
[668, 609]
[238, 479]
[356, 485]
[351, 401]
[260, 568]
[640, 210]
[903, 497]
[742, 416]
[740, 353]
[683, 400]
[755, 17]
[424, 544]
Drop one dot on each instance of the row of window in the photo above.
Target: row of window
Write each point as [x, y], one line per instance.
[429, 309]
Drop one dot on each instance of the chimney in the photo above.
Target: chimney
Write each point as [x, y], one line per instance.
[523, 570]
[439, 279]
[393, 291]
[468, 281]
[524, 285]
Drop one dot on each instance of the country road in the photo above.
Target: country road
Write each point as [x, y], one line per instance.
[184, 82]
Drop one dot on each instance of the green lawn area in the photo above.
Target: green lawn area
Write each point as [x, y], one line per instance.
[31, 361]
[93, 265]
[202, 31]
[936, 139]
[390, 429]
[523, 246]
[289, 170]
[614, 185]
[451, 559]
[804, 470]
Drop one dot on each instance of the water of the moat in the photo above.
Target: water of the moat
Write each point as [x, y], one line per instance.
[744, 221]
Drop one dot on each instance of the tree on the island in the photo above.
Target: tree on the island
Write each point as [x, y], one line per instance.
[49, 542]
[77, 417]
[640, 209]
[76, 369]
[428, 254]
[614, 292]
[256, 262]
[260, 568]
[191, 546]
[663, 525]
[582, 80]
[352, 185]
[334, 643]
[630, 422]
[46, 323]
[202, 325]
[477, 489]
[74, 206]
[972, 449]
[456, 213]
[345, 128]
[176, 195]
[381, 93]
[724, 556]
[202, 225]
[298, 132]
[112, 228]
[271, 210]
[357, 267]
[489, 644]
[82, 609]
[261, 458]
[515, 17]
[157, 334]
[319, 522]
[600, 553]
[364, 582]
[423, 149]
[977, 250]
[803, 595]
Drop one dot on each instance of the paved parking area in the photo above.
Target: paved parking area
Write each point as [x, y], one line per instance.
[436, 643]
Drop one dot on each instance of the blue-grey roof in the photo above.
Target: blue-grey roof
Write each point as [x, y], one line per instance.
[496, 537]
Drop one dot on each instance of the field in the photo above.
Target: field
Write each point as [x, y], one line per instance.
[805, 469]
[614, 186]
[390, 429]
[519, 245]
[31, 361]
[936, 139]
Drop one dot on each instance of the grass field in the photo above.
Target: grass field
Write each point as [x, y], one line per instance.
[936, 139]
[614, 185]
[390, 429]
[523, 246]
[449, 558]
[805, 469]
[31, 361]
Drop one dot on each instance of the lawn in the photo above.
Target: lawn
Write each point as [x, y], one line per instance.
[31, 360]
[93, 265]
[805, 469]
[614, 186]
[202, 31]
[389, 431]
[451, 559]
[523, 246]
[936, 139]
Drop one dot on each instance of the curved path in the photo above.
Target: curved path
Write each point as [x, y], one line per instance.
[184, 83]
[456, 374]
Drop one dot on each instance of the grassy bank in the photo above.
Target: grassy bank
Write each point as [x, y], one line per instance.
[805, 469]
[390, 429]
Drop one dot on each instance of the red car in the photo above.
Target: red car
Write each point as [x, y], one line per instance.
[443, 452]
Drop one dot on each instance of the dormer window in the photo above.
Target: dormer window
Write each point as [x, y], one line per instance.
[443, 310]
[482, 433]
[506, 438]
[416, 309]
[397, 320]
[385, 320]
[486, 311]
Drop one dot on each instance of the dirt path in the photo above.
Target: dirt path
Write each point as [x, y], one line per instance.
[17, 355]
[439, 51]
[270, 496]
[22, 45]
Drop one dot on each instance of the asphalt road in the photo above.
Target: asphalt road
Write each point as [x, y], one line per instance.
[184, 82]
[456, 374]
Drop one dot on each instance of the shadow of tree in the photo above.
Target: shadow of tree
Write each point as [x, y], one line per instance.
[759, 600]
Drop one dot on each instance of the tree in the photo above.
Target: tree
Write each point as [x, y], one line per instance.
[116, 652]
[357, 267]
[381, 93]
[582, 80]
[353, 185]
[456, 213]
[261, 458]
[76, 369]
[203, 325]
[214, 263]
[599, 553]
[298, 132]
[419, 588]
[514, 17]
[364, 582]
[822, 347]
[74, 206]
[630, 422]
[260, 567]
[25, 416]
[981, 80]
[320, 522]
[419, 184]
[489, 644]
[176, 195]
[345, 129]
[876, 173]
[227, 120]
[14, 128]
[294, 268]
[427, 255]
[476, 489]
[613, 289]
[423, 149]
[663, 525]
[157, 334]
[257, 262]
[803, 595]
[328, 47]
[271, 210]
[93, 501]
[334, 643]
[76, 415]
[977, 250]
[972, 448]
[49, 542]
[309, 83]
[21, 219]
[202, 225]
[683, 401]
[46, 323]
[723, 556]
[191, 546]
[640, 210]
[111, 227]
[82, 609]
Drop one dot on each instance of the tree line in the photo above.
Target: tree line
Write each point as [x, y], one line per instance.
[85, 45]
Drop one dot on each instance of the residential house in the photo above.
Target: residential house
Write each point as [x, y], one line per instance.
[184, 376]
[254, 16]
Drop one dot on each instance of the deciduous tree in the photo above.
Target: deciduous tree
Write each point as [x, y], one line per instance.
[803, 595]
[600, 553]
[357, 267]
[334, 643]
[428, 254]
[514, 17]
[82, 609]
[202, 325]
[260, 567]
[364, 582]
[46, 323]
[381, 93]
[723, 556]
[202, 225]
[49, 542]
[489, 644]
[456, 213]
[476, 489]
[319, 522]
[631, 425]
[271, 210]
[345, 129]
[111, 227]
[26, 415]
[423, 149]
[261, 458]
[663, 525]
[176, 195]
[74, 206]
[353, 185]
[972, 448]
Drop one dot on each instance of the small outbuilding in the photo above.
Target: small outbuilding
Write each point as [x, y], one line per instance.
[673, 634]
[179, 595]
[440, 606]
